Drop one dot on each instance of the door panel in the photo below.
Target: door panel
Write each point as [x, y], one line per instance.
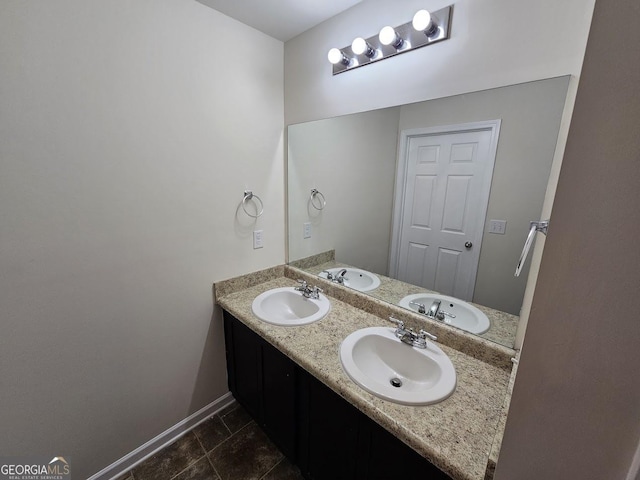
[446, 190]
[448, 266]
[415, 268]
[455, 203]
[424, 190]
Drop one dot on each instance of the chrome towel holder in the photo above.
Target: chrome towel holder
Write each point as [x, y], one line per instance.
[315, 193]
[249, 195]
[542, 226]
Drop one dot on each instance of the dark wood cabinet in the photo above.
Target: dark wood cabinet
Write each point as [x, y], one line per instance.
[326, 436]
[278, 416]
[263, 381]
[387, 457]
[243, 360]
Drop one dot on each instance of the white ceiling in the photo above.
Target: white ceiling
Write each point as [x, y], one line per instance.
[281, 19]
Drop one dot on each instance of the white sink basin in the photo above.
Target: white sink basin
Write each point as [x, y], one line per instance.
[286, 306]
[374, 358]
[355, 278]
[467, 317]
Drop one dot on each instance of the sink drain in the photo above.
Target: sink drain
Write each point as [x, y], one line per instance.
[396, 382]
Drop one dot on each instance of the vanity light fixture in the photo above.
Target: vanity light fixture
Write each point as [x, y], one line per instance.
[424, 29]
[360, 46]
[423, 21]
[336, 57]
[389, 36]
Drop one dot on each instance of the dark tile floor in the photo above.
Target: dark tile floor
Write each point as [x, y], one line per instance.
[228, 446]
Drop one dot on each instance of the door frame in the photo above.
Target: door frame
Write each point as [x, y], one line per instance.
[401, 173]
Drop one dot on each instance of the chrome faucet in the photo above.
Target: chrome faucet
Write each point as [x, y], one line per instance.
[307, 291]
[338, 277]
[421, 308]
[434, 310]
[408, 336]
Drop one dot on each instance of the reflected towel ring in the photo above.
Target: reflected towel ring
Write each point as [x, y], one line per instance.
[249, 195]
[316, 193]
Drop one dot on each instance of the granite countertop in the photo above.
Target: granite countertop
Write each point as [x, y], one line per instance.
[456, 435]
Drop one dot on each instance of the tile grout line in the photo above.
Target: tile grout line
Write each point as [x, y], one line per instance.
[213, 466]
[195, 461]
[225, 424]
[230, 437]
[206, 454]
[272, 468]
[222, 417]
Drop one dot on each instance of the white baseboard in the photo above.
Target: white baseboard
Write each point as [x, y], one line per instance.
[166, 438]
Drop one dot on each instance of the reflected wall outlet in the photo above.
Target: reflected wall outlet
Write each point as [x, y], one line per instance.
[498, 226]
[257, 239]
[306, 230]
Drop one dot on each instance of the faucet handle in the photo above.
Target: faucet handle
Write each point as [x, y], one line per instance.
[399, 323]
[302, 282]
[428, 335]
[421, 307]
[329, 274]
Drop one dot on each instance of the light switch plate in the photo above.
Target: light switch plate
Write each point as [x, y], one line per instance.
[257, 239]
[498, 226]
[306, 230]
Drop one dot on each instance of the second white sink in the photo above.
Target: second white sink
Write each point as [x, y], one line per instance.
[288, 307]
[379, 362]
[467, 317]
[355, 278]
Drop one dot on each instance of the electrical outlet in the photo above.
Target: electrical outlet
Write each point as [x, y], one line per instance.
[257, 239]
[498, 226]
[306, 230]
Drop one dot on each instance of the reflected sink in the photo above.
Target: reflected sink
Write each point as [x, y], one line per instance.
[467, 317]
[379, 362]
[286, 306]
[355, 278]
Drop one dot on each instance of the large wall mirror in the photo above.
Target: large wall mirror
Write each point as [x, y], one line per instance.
[428, 197]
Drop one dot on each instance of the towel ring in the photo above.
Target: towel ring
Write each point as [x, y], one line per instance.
[317, 193]
[249, 195]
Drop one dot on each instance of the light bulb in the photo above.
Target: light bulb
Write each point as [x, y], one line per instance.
[360, 47]
[423, 21]
[388, 36]
[336, 56]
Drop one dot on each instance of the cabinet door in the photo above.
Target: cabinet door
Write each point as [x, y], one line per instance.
[383, 456]
[279, 399]
[329, 433]
[243, 363]
[263, 381]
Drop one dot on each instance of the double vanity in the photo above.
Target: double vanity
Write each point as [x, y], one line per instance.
[349, 386]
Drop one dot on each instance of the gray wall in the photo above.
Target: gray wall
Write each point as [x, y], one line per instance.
[351, 160]
[127, 136]
[575, 411]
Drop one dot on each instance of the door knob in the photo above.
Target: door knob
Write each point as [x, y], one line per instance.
[468, 245]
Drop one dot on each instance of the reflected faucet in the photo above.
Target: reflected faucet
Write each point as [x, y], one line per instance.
[434, 311]
[338, 277]
[421, 308]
